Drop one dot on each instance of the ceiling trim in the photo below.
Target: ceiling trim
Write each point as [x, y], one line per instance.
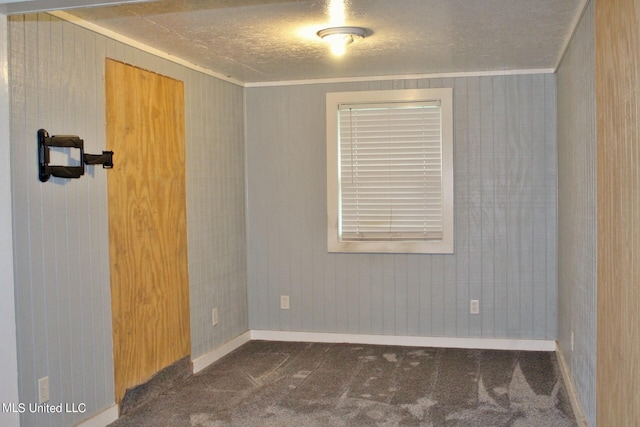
[12, 7]
[65, 16]
[403, 77]
[573, 29]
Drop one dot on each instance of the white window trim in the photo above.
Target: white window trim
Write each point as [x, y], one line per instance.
[333, 100]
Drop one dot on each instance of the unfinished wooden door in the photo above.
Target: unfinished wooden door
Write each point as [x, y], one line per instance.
[147, 223]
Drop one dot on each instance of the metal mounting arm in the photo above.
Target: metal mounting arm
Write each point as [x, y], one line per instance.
[71, 141]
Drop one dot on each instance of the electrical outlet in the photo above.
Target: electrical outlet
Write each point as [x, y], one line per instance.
[214, 316]
[474, 306]
[43, 389]
[284, 302]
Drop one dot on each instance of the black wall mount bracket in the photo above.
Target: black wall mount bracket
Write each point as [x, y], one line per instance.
[45, 142]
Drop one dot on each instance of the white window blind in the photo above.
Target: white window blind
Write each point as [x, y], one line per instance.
[390, 171]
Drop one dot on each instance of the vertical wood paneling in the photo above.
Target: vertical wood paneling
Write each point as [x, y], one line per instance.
[538, 320]
[450, 280]
[259, 303]
[474, 273]
[401, 291]
[515, 169]
[488, 190]
[63, 315]
[525, 217]
[101, 303]
[377, 295]
[388, 308]
[617, 46]
[501, 251]
[48, 222]
[424, 302]
[457, 282]
[329, 307]
[577, 211]
[364, 295]
[414, 295]
[300, 260]
[551, 203]
[353, 302]
[19, 81]
[502, 157]
[437, 289]
[8, 357]
[85, 384]
[66, 238]
[341, 293]
[214, 113]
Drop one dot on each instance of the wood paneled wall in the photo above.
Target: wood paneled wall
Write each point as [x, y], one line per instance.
[618, 151]
[577, 211]
[505, 220]
[8, 357]
[60, 228]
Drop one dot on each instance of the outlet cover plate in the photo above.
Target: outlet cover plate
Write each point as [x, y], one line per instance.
[284, 302]
[43, 389]
[474, 306]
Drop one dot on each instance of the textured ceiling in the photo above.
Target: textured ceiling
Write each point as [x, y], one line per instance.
[266, 41]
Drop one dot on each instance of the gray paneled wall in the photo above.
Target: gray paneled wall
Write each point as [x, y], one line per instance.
[8, 356]
[505, 216]
[60, 227]
[577, 211]
[215, 210]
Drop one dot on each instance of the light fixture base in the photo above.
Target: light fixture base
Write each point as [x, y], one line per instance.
[340, 37]
[354, 32]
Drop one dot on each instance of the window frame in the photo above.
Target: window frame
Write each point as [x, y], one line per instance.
[434, 246]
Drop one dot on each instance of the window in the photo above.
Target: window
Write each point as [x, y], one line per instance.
[390, 171]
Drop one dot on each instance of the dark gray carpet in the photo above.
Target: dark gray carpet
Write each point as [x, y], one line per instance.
[162, 381]
[301, 384]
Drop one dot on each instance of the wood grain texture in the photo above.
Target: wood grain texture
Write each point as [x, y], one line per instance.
[618, 160]
[147, 223]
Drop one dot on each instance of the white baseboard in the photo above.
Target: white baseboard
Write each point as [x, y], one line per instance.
[409, 341]
[578, 412]
[207, 359]
[102, 419]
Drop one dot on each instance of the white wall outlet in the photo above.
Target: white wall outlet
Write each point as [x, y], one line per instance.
[43, 389]
[214, 316]
[284, 302]
[474, 306]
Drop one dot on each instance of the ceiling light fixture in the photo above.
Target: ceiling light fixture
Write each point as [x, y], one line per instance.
[340, 37]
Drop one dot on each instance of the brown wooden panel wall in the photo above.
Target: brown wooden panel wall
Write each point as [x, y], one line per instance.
[147, 223]
[618, 115]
